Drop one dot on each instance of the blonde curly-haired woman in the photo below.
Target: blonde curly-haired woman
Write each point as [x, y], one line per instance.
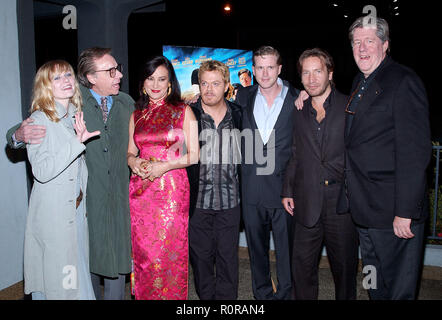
[56, 256]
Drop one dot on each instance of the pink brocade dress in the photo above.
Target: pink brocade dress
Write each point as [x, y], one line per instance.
[160, 209]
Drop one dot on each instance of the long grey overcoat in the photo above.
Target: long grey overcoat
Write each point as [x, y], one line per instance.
[50, 252]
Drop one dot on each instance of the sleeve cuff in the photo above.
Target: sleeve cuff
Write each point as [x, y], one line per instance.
[16, 144]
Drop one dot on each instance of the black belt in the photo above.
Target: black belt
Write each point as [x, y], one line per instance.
[328, 182]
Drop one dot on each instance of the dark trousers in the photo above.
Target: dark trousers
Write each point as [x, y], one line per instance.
[339, 235]
[395, 263]
[258, 222]
[114, 288]
[213, 238]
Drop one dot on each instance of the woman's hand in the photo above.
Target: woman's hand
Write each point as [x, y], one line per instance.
[81, 130]
[156, 169]
[138, 166]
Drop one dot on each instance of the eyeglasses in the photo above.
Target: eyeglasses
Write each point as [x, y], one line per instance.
[113, 71]
[350, 100]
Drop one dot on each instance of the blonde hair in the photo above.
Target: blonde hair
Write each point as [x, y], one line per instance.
[42, 95]
[267, 51]
[214, 65]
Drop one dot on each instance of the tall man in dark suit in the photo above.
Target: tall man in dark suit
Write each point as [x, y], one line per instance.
[267, 128]
[388, 148]
[312, 182]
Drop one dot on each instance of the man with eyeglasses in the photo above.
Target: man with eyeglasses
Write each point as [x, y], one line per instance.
[388, 148]
[108, 110]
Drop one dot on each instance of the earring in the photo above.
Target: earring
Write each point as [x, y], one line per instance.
[144, 91]
[169, 90]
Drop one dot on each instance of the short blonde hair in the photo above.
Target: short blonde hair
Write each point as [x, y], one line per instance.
[267, 51]
[214, 65]
[42, 95]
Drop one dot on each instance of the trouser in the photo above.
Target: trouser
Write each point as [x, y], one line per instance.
[114, 288]
[339, 235]
[213, 238]
[258, 221]
[392, 265]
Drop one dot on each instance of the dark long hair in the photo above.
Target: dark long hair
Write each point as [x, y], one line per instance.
[149, 68]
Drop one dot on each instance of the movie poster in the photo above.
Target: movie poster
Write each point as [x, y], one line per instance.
[186, 61]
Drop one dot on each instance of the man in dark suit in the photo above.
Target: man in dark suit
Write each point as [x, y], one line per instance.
[267, 129]
[312, 182]
[388, 148]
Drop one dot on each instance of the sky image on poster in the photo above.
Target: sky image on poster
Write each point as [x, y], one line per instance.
[187, 59]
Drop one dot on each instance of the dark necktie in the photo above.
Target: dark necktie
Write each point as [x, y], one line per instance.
[104, 109]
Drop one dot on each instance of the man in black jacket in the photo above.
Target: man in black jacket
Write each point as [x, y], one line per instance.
[312, 182]
[388, 148]
[215, 188]
[267, 129]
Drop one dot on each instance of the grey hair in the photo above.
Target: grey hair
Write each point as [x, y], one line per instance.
[382, 29]
[86, 63]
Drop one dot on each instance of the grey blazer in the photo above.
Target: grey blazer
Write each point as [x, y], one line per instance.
[50, 253]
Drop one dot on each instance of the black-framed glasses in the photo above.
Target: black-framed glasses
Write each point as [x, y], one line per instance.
[350, 100]
[113, 71]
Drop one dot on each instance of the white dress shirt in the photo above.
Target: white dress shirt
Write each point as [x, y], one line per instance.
[265, 116]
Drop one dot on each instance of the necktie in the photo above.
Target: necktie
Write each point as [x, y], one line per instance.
[104, 109]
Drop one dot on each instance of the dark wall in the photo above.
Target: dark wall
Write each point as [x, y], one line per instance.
[292, 27]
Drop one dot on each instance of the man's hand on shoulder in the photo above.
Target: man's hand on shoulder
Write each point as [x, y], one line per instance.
[30, 133]
[299, 102]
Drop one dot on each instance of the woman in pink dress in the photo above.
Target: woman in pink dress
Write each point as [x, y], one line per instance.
[160, 128]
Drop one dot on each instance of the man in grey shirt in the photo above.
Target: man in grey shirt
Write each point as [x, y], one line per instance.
[215, 188]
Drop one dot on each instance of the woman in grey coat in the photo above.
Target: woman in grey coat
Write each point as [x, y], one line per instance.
[56, 256]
